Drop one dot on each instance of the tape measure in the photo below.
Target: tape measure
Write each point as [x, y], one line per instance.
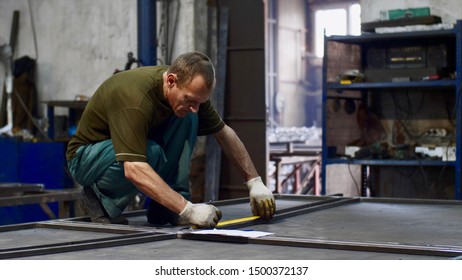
[236, 221]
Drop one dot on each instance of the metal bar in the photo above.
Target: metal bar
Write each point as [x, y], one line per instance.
[276, 196]
[135, 213]
[44, 197]
[92, 227]
[297, 167]
[310, 205]
[360, 246]
[277, 174]
[85, 245]
[315, 207]
[253, 219]
[103, 228]
[411, 201]
[18, 227]
[457, 111]
[324, 151]
[47, 210]
[303, 197]
[13, 188]
[364, 180]
[296, 210]
[375, 247]
[76, 226]
[60, 244]
[64, 209]
[14, 31]
[230, 201]
[129, 235]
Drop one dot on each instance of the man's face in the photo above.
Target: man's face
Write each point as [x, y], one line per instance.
[185, 100]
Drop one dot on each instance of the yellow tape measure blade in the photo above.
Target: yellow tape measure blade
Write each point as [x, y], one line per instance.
[236, 221]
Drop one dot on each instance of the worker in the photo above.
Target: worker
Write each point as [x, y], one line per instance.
[137, 134]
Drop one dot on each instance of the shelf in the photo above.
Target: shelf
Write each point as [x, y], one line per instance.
[445, 84]
[367, 38]
[421, 103]
[390, 162]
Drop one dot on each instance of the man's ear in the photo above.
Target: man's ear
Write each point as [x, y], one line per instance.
[171, 80]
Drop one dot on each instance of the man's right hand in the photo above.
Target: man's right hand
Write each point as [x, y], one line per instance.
[200, 215]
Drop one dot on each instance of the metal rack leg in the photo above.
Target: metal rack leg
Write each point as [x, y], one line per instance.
[364, 179]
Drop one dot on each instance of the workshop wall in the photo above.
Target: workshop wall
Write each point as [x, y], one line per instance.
[79, 43]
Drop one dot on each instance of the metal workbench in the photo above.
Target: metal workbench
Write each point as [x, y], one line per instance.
[305, 227]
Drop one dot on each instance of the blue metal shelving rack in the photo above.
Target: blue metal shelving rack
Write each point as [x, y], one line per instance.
[455, 35]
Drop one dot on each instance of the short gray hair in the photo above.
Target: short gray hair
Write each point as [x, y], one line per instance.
[189, 65]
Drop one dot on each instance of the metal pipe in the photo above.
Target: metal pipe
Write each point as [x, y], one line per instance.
[147, 32]
[6, 56]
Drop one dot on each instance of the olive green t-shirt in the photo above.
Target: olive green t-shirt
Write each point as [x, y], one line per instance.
[126, 108]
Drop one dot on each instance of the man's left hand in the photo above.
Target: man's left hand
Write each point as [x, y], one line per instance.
[261, 199]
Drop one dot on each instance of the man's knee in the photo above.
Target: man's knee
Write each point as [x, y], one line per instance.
[156, 155]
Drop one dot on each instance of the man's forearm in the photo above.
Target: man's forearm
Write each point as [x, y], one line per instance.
[262, 200]
[235, 150]
[153, 186]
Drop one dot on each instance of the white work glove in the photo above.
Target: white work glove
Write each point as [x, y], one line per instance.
[262, 200]
[200, 215]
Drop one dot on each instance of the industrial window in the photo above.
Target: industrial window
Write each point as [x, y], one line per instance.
[336, 20]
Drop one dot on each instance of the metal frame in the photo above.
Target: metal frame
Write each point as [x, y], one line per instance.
[129, 234]
[377, 247]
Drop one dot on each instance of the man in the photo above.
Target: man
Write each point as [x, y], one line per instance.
[137, 133]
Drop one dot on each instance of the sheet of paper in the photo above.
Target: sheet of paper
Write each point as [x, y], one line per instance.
[233, 232]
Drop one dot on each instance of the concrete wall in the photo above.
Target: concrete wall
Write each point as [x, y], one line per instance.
[448, 10]
[81, 42]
